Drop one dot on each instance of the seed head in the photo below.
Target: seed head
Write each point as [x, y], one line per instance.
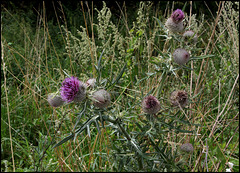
[150, 105]
[73, 90]
[181, 56]
[187, 147]
[55, 100]
[189, 34]
[102, 98]
[179, 98]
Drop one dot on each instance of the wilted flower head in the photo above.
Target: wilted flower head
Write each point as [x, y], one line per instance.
[91, 82]
[179, 97]
[189, 34]
[187, 147]
[73, 90]
[181, 56]
[150, 105]
[177, 16]
[174, 23]
[101, 98]
[55, 100]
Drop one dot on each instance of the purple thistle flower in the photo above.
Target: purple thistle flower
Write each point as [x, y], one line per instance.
[73, 90]
[174, 23]
[177, 16]
[150, 104]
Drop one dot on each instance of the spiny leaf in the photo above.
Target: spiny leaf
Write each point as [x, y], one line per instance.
[64, 140]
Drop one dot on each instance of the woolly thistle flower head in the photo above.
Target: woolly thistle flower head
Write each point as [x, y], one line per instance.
[179, 98]
[150, 105]
[101, 98]
[73, 90]
[189, 34]
[174, 23]
[187, 147]
[55, 100]
[91, 82]
[181, 56]
[177, 16]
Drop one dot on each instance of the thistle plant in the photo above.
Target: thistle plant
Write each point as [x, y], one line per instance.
[95, 104]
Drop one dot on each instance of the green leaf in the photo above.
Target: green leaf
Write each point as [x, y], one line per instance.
[118, 77]
[201, 57]
[64, 140]
[80, 115]
[88, 122]
[160, 23]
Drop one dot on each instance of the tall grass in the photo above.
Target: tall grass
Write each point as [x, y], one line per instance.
[35, 64]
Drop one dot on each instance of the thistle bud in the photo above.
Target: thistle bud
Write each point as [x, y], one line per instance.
[189, 34]
[187, 147]
[179, 98]
[150, 105]
[91, 82]
[55, 100]
[101, 98]
[181, 56]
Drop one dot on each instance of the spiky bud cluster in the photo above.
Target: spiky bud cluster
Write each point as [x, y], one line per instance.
[179, 98]
[55, 100]
[174, 23]
[181, 56]
[187, 147]
[101, 98]
[190, 34]
[150, 105]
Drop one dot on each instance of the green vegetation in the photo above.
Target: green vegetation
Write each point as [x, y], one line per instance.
[130, 55]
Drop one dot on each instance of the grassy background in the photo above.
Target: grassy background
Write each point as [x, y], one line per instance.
[37, 45]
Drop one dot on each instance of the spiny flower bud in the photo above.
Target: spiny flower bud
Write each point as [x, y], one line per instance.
[179, 98]
[187, 147]
[73, 90]
[150, 105]
[91, 82]
[55, 100]
[181, 56]
[101, 98]
[174, 23]
[189, 34]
